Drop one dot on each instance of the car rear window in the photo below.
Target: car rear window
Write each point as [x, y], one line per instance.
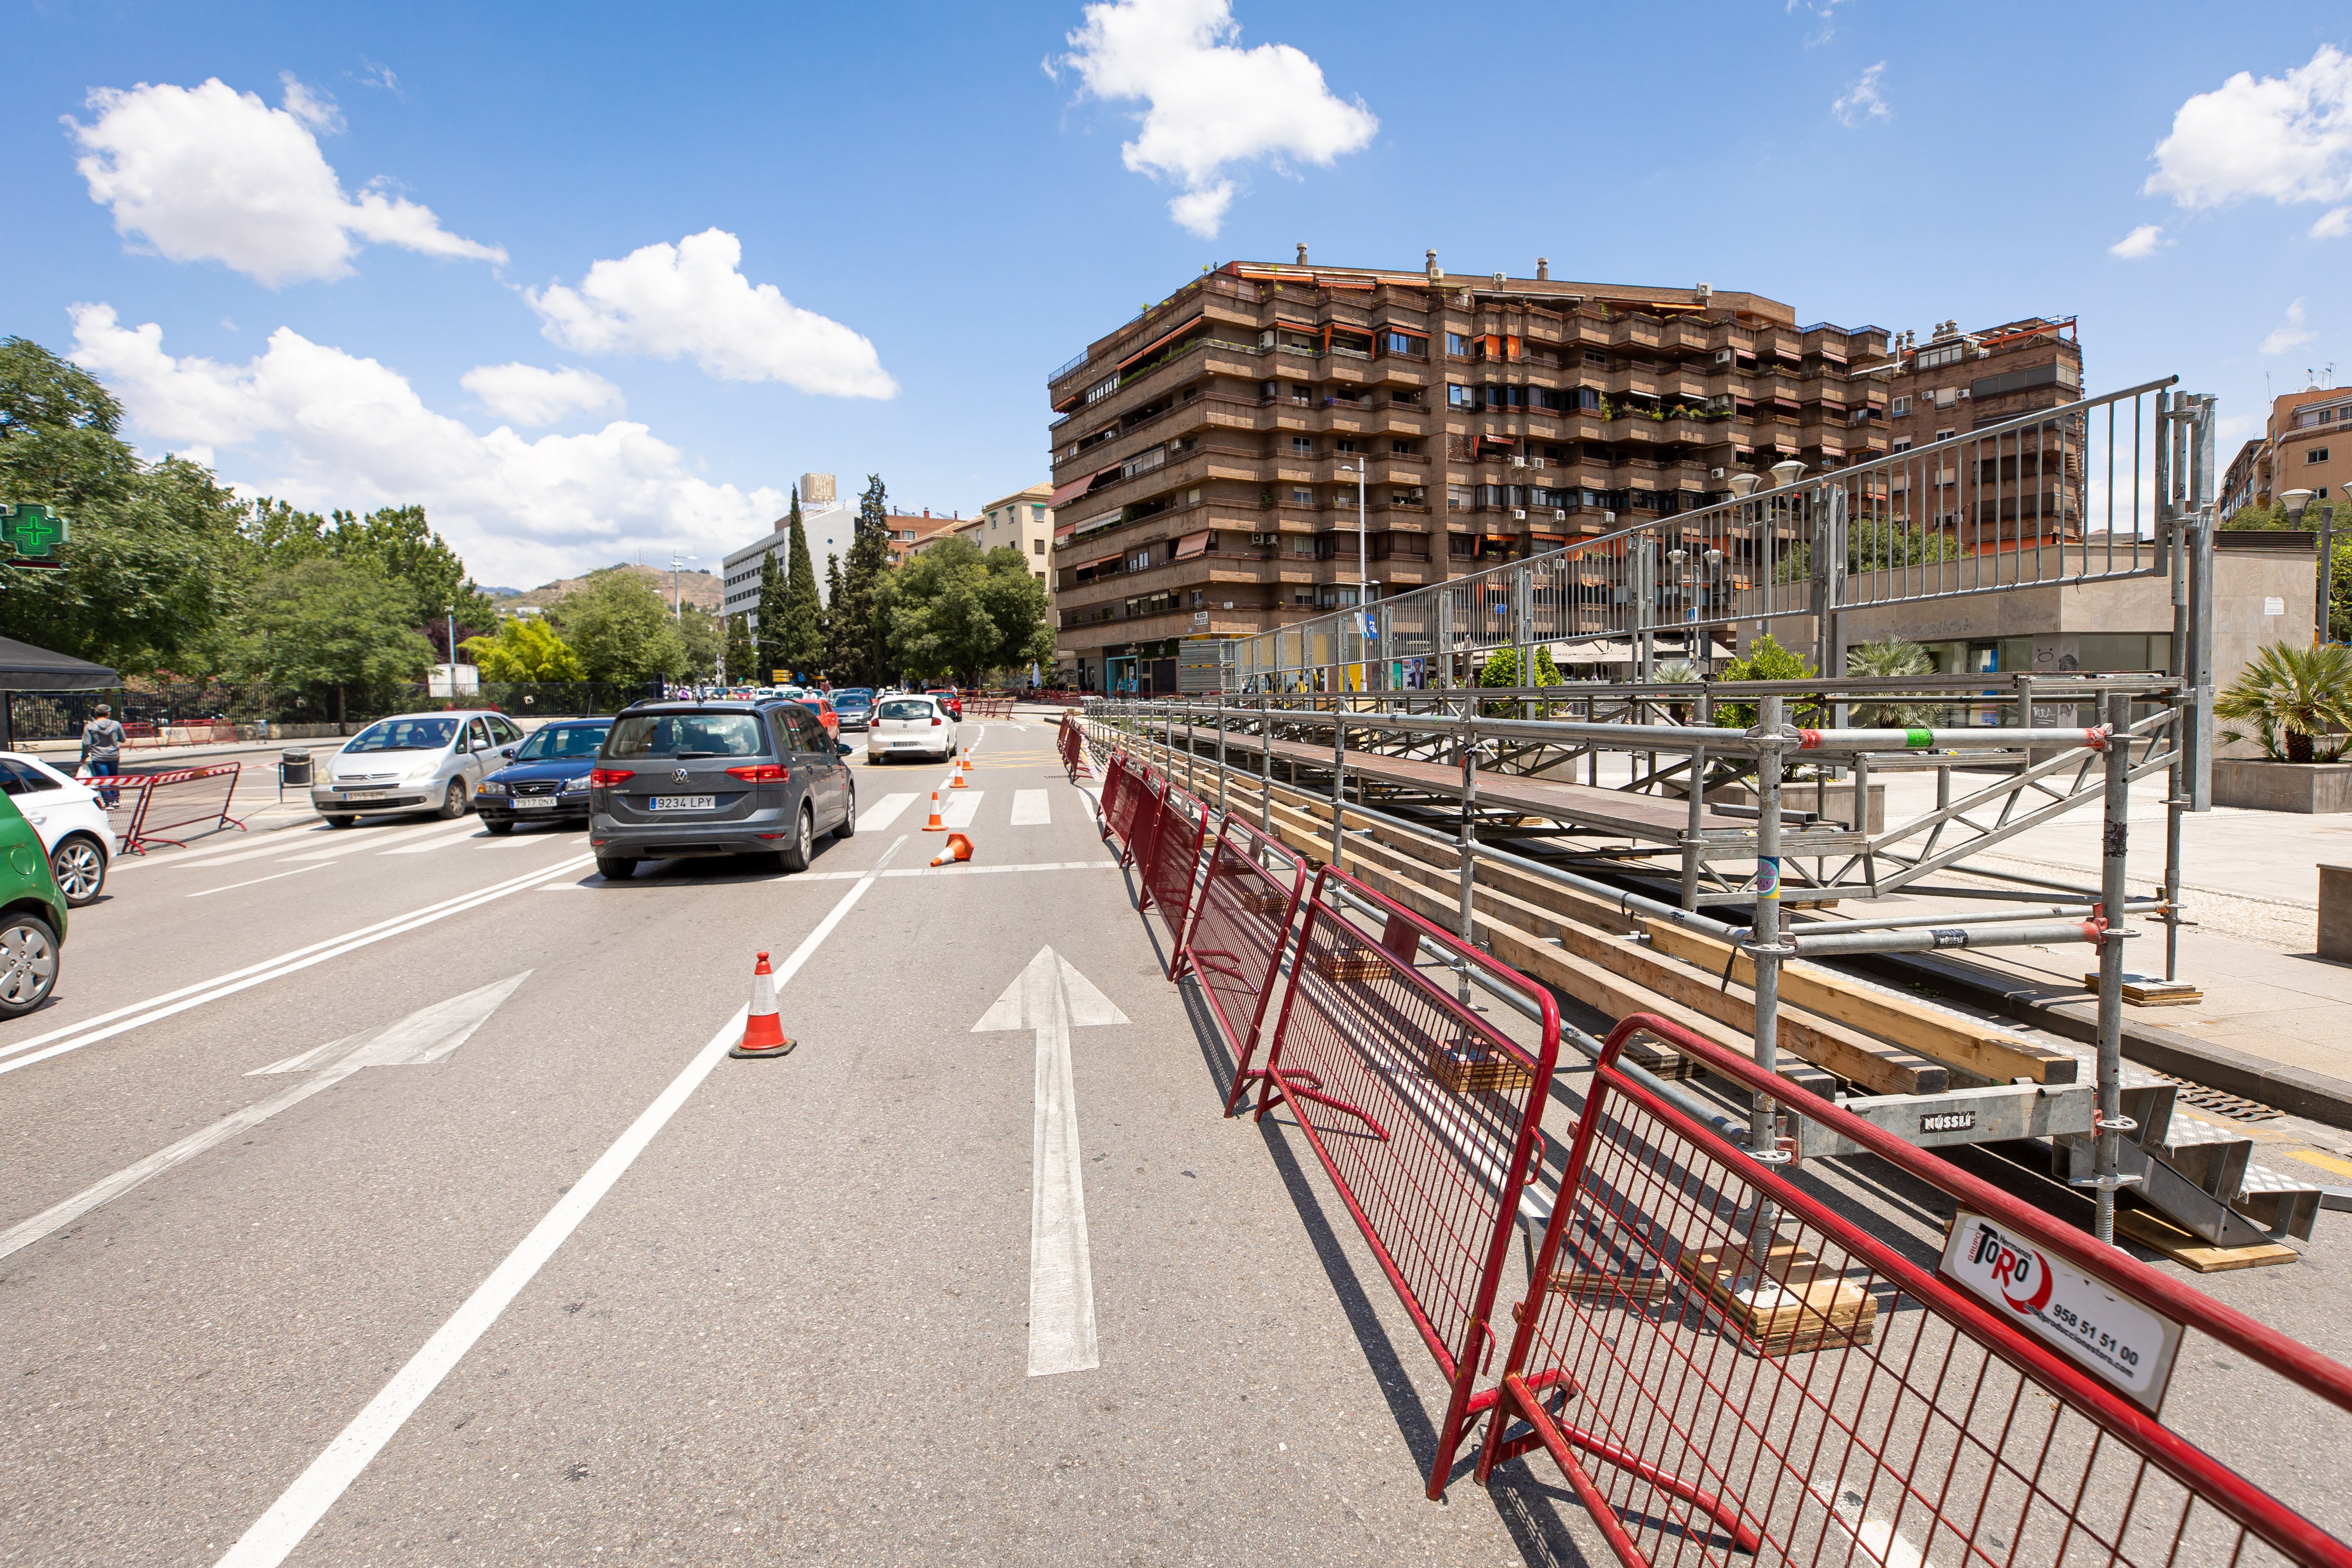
[686, 734]
[905, 708]
[560, 741]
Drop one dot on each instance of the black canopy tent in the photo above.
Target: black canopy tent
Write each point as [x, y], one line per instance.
[25, 668]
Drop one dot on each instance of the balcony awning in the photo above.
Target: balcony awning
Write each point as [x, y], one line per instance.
[1156, 342]
[1192, 544]
[1498, 440]
[1098, 560]
[1065, 531]
[1065, 494]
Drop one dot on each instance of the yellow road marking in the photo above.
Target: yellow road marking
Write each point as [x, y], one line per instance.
[2324, 1162]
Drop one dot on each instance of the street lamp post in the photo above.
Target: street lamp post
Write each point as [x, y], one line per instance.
[677, 609]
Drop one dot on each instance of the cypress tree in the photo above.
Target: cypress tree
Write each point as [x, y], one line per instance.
[772, 616]
[861, 586]
[803, 610]
[742, 661]
[837, 655]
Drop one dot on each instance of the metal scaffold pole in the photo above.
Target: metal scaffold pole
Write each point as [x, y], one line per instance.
[2106, 1155]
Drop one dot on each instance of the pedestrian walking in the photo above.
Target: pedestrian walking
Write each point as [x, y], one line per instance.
[102, 751]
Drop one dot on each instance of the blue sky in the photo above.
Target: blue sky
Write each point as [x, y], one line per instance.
[596, 282]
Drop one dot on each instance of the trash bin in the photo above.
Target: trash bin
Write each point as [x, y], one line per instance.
[295, 767]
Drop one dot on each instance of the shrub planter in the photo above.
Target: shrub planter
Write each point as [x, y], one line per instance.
[2266, 786]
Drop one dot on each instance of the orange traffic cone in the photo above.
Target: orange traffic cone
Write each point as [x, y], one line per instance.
[959, 849]
[935, 825]
[955, 775]
[763, 1032]
[963, 762]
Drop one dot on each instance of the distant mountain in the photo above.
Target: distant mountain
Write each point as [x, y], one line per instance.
[697, 587]
[489, 592]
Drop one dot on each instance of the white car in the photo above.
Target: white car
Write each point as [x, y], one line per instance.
[70, 818]
[912, 726]
[414, 762]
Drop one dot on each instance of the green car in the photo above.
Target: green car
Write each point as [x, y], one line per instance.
[32, 916]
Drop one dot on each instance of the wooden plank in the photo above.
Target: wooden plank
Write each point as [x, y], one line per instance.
[1986, 1052]
[1791, 1307]
[2156, 1233]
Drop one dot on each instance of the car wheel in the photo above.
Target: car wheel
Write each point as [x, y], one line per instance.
[453, 804]
[341, 821]
[28, 964]
[615, 870]
[80, 866]
[848, 828]
[496, 827]
[794, 858]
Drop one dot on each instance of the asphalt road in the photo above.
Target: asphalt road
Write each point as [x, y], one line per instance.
[581, 1289]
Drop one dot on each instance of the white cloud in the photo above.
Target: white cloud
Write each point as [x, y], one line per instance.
[323, 428]
[2143, 240]
[208, 174]
[1823, 12]
[1861, 101]
[2332, 225]
[531, 396]
[2287, 138]
[2289, 333]
[1212, 103]
[314, 110]
[690, 298]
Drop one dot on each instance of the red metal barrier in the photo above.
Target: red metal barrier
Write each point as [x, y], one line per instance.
[1842, 1403]
[147, 807]
[1073, 747]
[1145, 835]
[1430, 1119]
[1121, 785]
[1240, 924]
[1175, 863]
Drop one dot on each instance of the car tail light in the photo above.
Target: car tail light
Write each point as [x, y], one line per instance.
[760, 773]
[605, 777]
[937, 720]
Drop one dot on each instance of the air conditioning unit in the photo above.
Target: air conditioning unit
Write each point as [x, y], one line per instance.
[1559, 515]
[1519, 513]
[1228, 604]
[1534, 462]
[1264, 539]
[1714, 473]
[1723, 356]
[1519, 462]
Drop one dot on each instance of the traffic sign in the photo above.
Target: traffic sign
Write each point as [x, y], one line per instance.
[31, 534]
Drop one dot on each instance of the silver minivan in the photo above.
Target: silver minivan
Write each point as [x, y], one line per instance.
[414, 761]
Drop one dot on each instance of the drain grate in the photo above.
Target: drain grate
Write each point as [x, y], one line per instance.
[2235, 1106]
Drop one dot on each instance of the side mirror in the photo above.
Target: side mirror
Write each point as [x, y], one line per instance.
[840, 748]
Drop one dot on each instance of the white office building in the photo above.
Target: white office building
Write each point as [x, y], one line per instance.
[830, 525]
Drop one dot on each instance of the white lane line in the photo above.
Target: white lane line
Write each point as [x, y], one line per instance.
[517, 838]
[120, 1020]
[347, 840]
[973, 868]
[1031, 809]
[292, 1517]
[426, 846]
[349, 843]
[883, 812]
[962, 807]
[282, 842]
[256, 882]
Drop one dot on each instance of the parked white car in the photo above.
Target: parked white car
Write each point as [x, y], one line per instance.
[414, 762]
[910, 726]
[70, 818]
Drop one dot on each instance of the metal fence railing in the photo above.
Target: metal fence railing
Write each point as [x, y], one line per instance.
[2087, 492]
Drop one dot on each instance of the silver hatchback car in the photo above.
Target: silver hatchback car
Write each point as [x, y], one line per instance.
[414, 761]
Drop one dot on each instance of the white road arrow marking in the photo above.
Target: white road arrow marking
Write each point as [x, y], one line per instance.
[425, 1036]
[1048, 998]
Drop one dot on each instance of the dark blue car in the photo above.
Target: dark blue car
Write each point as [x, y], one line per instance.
[548, 779]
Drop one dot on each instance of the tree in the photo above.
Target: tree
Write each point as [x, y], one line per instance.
[1502, 669]
[838, 662]
[740, 660]
[326, 622]
[700, 637]
[525, 648]
[2295, 697]
[858, 607]
[803, 609]
[952, 613]
[1766, 661]
[770, 617]
[151, 574]
[621, 629]
[1873, 544]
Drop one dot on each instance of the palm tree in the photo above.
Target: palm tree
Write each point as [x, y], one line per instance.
[1890, 656]
[2293, 696]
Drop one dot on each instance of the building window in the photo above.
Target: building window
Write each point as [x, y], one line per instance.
[1457, 345]
[1036, 547]
[1302, 444]
[2316, 455]
[1199, 599]
[1456, 396]
[1901, 407]
[1036, 513]
[1902, 443]
[1457, 498]
[1301, 496]
[1345, 445]
[1945, 435]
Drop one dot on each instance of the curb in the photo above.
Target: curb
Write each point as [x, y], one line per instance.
[2297, 1091]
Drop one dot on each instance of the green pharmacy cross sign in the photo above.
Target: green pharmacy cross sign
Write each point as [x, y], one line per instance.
[31, 535]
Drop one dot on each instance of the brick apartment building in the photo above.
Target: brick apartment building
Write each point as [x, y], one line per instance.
[1959, 381]
[2306, 445]
[1207, 453]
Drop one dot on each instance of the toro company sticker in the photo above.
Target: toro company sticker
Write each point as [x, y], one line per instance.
[2117, 1340]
